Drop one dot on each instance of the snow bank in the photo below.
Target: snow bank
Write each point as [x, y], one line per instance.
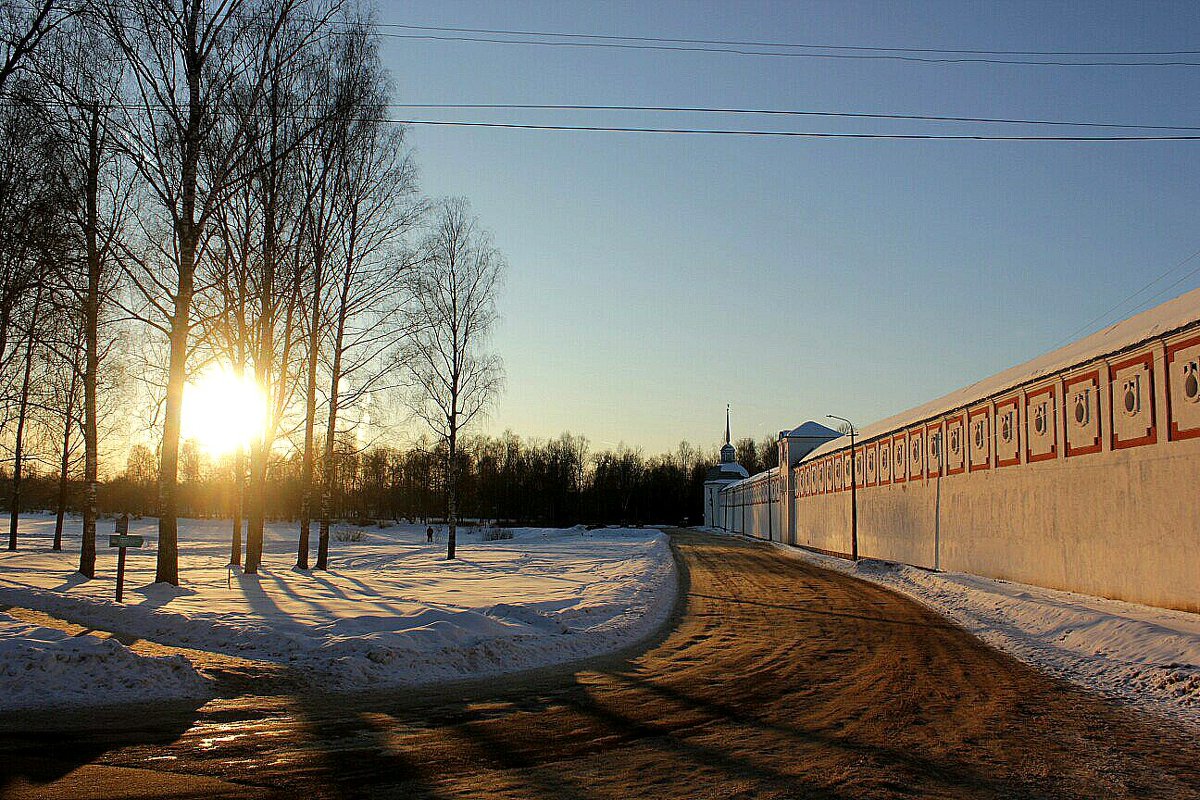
[390, 611]
[1140, 655]
[42, 667]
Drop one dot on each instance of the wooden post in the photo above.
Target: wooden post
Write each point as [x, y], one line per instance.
[120, 572]
[121, 540]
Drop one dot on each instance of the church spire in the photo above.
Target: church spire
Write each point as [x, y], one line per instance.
[728, 453]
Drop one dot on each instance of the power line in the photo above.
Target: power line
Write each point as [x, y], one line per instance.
[798, 45]
[741, 131]
[799, 134]
[947, 59]
[9, 99]
[786, 112]
[601, 38]
[1087, 325]
[1164, 291]
[928, 55]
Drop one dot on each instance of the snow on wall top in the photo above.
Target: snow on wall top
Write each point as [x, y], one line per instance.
[1171, 316]
[752, 480]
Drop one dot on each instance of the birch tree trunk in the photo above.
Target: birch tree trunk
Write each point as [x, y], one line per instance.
[14, 507]
[310, 413]
[65, 464]
[91, 362]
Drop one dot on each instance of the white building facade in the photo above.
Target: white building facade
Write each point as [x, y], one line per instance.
[1079, 470]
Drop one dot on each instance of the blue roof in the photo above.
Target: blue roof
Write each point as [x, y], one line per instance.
[813, 430]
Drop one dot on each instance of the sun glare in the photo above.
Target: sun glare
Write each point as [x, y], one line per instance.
[222, 411]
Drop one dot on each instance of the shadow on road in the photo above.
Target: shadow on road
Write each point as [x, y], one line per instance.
[40, 747]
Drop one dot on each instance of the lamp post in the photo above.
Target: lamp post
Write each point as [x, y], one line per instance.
[853, 492]
[937, 506]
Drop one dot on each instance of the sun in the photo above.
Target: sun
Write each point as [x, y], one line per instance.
[222, 411]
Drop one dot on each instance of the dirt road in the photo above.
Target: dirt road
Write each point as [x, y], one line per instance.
[776, 679]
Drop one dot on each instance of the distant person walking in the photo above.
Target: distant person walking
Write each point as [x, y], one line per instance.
[429, 535]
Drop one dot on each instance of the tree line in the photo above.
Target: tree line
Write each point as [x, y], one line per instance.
[188, 183]
[506, 479]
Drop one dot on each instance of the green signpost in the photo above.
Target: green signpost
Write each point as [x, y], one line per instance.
[121, 539]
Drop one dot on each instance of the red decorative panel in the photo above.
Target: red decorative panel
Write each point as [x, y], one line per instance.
[885, 461]
[1131, 400]
[934, 448]
[979, 439]
[860, 466]
[1183, 389]
[899, 458]
[871, 467]
[1081, 414]
[1008, 432]
[916, 454]
[1041, 442]
[955, 445]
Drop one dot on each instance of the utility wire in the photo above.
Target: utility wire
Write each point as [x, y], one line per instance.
[928, 55]
[1087, 325]
[802, 134]
[785, 112]
[1154, 298]
[804, 45]
[9, 99]
[929, 59]
[745, 43]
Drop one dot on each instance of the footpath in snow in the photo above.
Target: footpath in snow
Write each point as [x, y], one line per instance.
[1144, 656]
[391, 610]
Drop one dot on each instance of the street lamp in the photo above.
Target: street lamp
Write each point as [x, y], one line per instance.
[853, 492]
[938, 450]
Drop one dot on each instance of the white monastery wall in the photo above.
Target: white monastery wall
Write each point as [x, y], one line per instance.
[1077, 471]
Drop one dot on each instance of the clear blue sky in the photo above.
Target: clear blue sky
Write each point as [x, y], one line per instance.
[653, 278]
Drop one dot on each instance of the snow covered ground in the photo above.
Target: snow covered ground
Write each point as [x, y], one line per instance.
[390, 611]
[40, 664]
[1144, 656]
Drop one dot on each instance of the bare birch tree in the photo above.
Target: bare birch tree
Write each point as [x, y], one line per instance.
[348, 81]
[377, 206]
[23, 406]
[82, 71]
[454, 377]
[198, 72]
[281, 125]
[23, 26]
[30, 211]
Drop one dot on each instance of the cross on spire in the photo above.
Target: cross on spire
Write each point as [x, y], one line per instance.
[727, 423]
